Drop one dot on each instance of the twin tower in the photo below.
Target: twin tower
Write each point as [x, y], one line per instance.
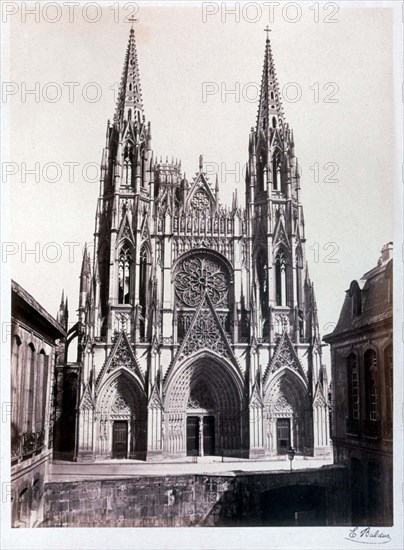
[197, 330]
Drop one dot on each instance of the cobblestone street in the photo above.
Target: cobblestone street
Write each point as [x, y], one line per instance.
[71, 471]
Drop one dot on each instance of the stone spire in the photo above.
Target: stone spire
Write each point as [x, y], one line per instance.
[130, 105]
[270, 111]
[62, 316]
[85, 271]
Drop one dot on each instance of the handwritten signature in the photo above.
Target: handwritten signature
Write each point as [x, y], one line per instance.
[368, 535]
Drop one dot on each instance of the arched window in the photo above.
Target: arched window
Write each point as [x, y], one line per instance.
[143, 294]
[371, 386]
[127, 166]
[260, 174]
[299, 266]
[262, 277]
[353, 387]
[129, 114]
[124, 275]
[388, 377]
[273, 122]
[276, 173]
[280, 279]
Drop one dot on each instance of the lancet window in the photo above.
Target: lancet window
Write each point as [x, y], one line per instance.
[124, 275]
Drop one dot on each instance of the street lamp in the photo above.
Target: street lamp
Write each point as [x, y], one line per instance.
[291, 456]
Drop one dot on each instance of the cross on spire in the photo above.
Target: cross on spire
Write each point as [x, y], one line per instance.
[267, 30]
[132, 20]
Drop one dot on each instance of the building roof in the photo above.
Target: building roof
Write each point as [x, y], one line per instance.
[373, 292]
[22, 299]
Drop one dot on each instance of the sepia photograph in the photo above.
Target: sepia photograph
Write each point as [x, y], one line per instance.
[201, 253]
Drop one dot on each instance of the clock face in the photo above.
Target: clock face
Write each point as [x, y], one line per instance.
[200, 201]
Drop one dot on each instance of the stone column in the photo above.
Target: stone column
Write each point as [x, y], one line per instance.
[154, 433]
[201, 435]
[85, 445]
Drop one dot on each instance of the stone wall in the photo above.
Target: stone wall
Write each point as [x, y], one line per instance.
[187, 500]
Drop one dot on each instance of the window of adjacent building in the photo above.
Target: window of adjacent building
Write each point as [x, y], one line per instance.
[388, 373]
[371, 386]
[124, 275]
[353, 386]
[29, 392]
[15, 377]
[40, 397]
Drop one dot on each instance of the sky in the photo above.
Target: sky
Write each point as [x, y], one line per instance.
[337, 85]
[323, 55]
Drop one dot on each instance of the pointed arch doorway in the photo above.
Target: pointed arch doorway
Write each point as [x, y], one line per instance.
[203, 409]
[288, 414]
[121, 421]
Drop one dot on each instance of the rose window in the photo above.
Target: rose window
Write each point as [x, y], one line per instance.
[198, 275]
[200, 201]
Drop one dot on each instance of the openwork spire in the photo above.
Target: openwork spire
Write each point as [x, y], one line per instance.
[130, 105]
[270, 111]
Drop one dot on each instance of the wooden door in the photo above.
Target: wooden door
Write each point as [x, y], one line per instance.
[120, 439]
[283, 435]
[208, 435]
[192, 436]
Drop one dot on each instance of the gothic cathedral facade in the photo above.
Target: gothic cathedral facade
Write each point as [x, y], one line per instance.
[197, 330]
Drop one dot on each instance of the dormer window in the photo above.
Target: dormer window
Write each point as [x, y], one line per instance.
[356, 295]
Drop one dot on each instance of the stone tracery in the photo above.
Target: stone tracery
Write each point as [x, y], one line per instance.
[198, 274]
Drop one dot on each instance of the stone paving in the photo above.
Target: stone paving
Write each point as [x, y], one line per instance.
[72, 471]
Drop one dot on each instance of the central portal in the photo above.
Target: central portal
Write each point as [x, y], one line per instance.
[202, 410]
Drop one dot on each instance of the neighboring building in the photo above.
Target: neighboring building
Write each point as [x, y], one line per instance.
[33, 352]
[198, 329]
[362, 381]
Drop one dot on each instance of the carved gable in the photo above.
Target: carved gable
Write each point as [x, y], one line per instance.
[280, 236]
[125, 230]
[200, 195]
[285, 356]
[121, 356]
[86, 401]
